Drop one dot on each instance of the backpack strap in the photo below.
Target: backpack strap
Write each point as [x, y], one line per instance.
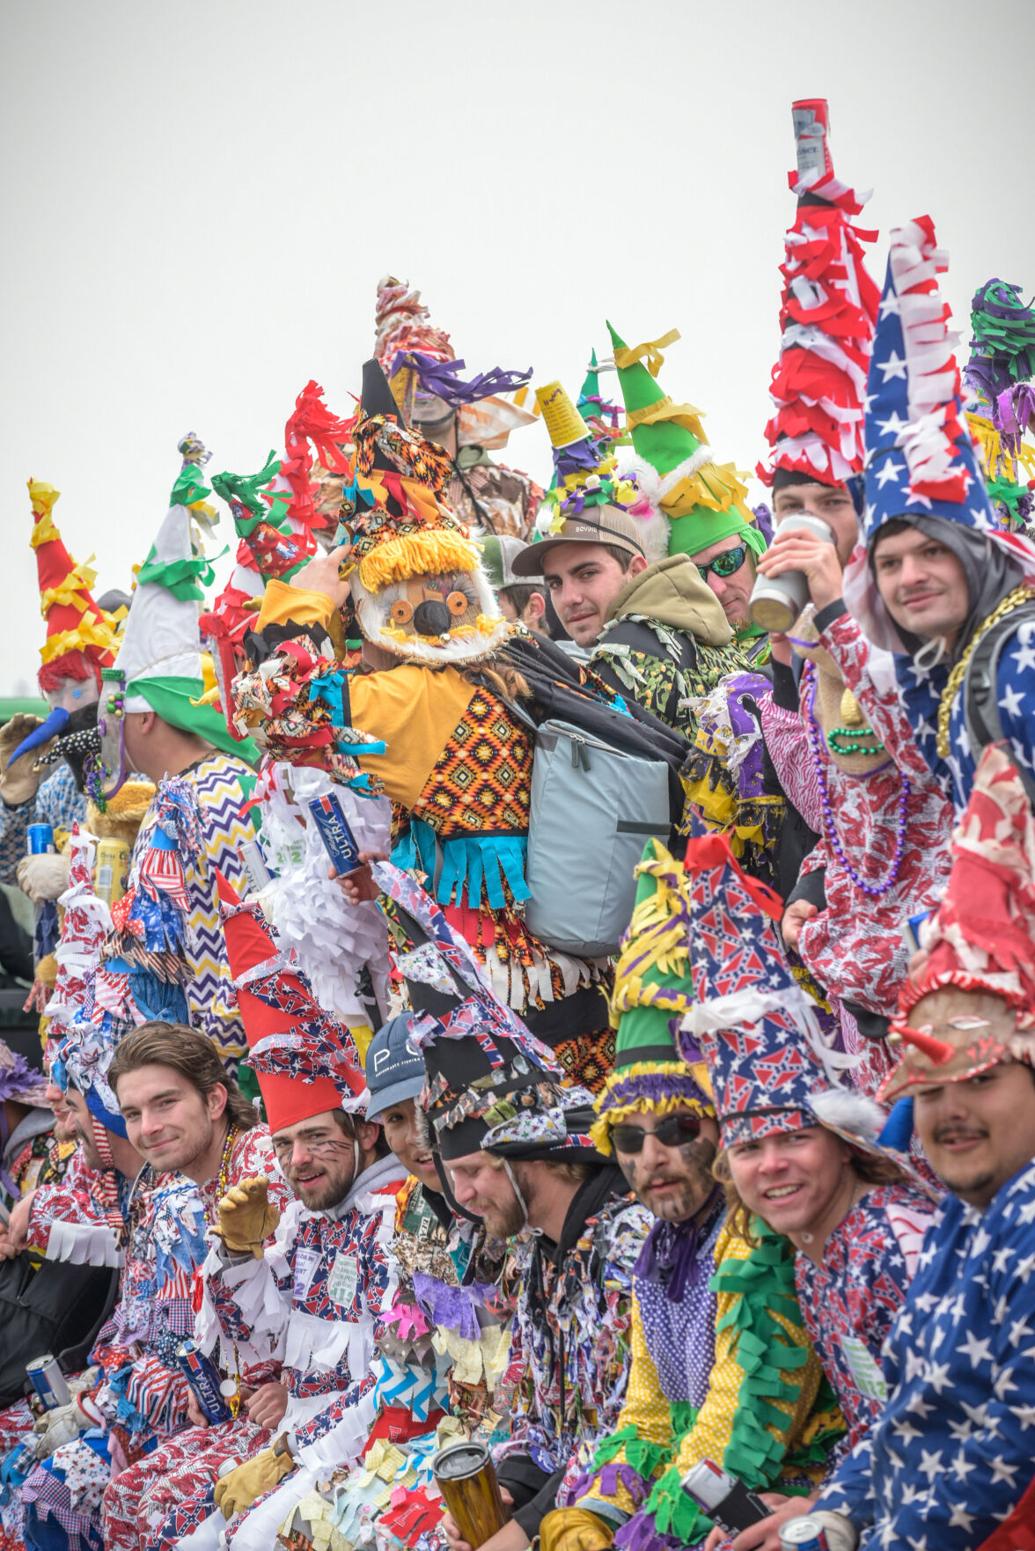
[981, 690]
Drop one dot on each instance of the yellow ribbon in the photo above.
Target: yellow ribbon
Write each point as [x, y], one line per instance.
[42, 497]
[628, 355]
[714, 485]
[72, 591]
[687, 415]
[89, 632]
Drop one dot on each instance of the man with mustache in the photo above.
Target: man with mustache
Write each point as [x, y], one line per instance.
[949, 1461]
[698, 1286]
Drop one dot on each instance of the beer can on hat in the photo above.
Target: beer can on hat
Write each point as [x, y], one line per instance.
[203, 1377]
[110, 870]
[45, 1376]
[803, 1535]
[39, 839]
[339, 841]
[776, 601]
[466, 1477]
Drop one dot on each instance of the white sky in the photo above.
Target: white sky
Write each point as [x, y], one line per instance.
[200, 198]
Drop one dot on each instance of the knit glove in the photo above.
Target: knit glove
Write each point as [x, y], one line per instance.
[239, 1488]
[20, 783]
[575, 1529]
[247, 1217]
[44, 876]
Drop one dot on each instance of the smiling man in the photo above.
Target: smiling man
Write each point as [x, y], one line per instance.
[950, 1457]
[691, 1395]
[942, 585]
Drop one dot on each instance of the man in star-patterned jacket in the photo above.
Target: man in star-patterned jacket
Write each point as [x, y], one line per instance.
[952, 1456]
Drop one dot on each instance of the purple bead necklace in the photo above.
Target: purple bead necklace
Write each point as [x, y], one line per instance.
[871, 890]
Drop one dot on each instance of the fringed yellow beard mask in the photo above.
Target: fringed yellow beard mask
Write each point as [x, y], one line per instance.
[447, 618]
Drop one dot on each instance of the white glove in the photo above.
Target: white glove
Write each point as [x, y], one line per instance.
[841, 1533]
[43, 877]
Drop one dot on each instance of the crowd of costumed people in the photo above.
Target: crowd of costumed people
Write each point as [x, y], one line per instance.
[536, 987]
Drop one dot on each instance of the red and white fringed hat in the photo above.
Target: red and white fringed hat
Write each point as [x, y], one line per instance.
[305, 1060]
[980, 943]
[828, 309]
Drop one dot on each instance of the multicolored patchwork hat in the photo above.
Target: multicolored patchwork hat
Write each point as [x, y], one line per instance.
[397, 526]
[771, 1070]
[1001, 408]
[828, 308]
[973, 1005]
[490, 1084]
[421, 365]
[653, 993]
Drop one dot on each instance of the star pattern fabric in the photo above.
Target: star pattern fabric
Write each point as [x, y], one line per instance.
[952, 1451]
[921, 694]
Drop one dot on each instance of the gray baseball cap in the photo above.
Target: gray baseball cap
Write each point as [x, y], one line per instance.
[394, 1067]
[600, 525]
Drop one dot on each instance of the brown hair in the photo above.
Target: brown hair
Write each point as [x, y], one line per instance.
[868, 1167]
[191, 1054]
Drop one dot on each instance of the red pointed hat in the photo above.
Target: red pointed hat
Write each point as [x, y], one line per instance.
[79, 635]
[828, 309]
[293, 1044]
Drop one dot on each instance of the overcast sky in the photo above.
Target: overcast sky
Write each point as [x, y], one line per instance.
[200, 198]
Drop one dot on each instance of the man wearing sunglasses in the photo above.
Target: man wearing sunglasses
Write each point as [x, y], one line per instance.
[696, 1285]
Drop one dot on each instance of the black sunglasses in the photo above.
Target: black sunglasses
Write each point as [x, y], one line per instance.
[725, 564]
[671, 1131]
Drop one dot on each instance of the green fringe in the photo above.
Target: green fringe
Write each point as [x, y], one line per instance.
[762, 1287]
[675, 1512]
[644, 1457]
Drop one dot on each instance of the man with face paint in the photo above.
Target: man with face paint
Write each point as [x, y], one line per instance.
[468, 420]
[699, 1285]
[941, 584]
[78, 646]
[431, 687]
[949, 1461]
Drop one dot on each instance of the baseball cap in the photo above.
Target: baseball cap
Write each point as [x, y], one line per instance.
[608, 525]
[499, 552]
[394, 1067]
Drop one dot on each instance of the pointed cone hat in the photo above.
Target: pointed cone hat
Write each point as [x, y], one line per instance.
[160, 657]
[79, 635]
[306, 1061]
[703, 500]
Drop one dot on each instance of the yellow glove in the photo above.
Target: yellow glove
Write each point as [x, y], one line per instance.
[574, 1529]
[239, 1488]
[19, 784]
[246, 1217]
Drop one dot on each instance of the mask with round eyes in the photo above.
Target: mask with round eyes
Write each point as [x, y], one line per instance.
[446, 618]
[108, 770]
